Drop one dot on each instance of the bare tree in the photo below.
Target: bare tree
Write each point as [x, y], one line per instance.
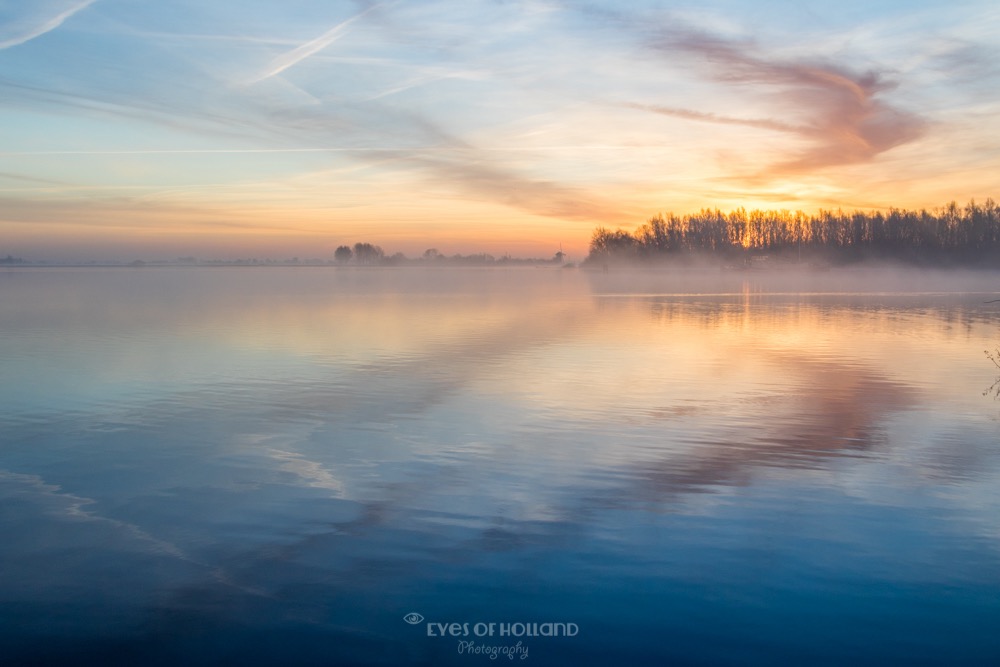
[994, 389]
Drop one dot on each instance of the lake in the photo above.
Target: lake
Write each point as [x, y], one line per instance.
[349, 466]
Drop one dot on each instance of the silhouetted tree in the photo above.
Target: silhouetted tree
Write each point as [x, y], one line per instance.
[618, 244]
[366, 253]
[343, 254]
[949, 235]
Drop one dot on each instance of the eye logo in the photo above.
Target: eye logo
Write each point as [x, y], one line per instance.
[413, 618]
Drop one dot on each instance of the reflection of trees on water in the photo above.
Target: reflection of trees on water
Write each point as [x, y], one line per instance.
[994, 389]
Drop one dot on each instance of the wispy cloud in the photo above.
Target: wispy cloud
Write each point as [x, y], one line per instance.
[474, 173]
[445, 159]
[199, 151]
[579, 112]
[427, 76]
[303, 51]
[707, 117]
[842, 112]
[47, 25]
[27, 179]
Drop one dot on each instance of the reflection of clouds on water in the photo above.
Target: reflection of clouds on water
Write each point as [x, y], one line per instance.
[520, 439]
[51, 501]
[837, 405]
[56, 542]
[311, 471]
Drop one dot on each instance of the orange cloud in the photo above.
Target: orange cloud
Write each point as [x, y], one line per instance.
[842, 113]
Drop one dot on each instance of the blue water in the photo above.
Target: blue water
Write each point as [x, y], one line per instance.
[277, 465]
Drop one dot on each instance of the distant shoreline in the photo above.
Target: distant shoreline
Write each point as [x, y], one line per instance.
[619, 269]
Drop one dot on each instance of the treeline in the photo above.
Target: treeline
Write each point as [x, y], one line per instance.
[951, 235]
[368, 254]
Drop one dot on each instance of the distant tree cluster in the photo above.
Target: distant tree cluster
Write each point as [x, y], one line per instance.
[368, 254]
[363, 253]
[10, 259]
[950, 235]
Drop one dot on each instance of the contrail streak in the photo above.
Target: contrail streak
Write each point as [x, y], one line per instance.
[303, 51]
[361, 149]
[194, 151]
[49, 25]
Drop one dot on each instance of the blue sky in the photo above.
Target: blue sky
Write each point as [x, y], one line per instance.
[275, 129]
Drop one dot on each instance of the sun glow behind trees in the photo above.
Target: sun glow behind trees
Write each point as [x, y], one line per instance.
[230, 129]
[949, 235]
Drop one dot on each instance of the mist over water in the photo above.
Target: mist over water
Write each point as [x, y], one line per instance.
[275, 466]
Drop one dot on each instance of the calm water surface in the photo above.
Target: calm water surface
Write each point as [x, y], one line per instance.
[276, 466]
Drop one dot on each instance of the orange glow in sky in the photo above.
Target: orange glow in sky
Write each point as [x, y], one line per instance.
[141, 131]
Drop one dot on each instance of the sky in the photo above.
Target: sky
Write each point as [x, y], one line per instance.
[257, 128]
